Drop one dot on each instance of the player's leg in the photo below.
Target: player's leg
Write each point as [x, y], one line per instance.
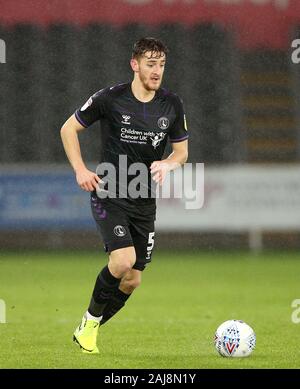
[142, 233]
[107, 282]
[113, 226]
[129, 282]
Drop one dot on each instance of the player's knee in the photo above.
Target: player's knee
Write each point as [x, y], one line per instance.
[124, 266]
[121, 265]
[121, 261]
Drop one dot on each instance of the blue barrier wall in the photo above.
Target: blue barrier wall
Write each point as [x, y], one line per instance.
[43, 200]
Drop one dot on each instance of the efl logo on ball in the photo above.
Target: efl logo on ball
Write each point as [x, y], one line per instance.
[235, 338]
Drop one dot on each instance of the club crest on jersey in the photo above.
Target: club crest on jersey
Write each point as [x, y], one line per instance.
[163, 123]
[120, 231]
[126, 119]
[157, 139]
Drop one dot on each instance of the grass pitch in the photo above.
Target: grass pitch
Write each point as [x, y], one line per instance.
[169, 322]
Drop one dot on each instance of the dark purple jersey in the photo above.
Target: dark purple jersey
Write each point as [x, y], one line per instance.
[132, 128]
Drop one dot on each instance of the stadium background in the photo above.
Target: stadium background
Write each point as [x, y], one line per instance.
[231, 63]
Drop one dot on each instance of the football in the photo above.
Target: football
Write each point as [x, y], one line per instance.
[235, 338]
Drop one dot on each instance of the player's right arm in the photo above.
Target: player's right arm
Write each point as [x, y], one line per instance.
[86, 179]
[93, 110]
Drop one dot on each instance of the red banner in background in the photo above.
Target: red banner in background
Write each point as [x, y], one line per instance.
[258, 23]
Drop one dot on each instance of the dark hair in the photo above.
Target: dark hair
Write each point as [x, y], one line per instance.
[156, 46]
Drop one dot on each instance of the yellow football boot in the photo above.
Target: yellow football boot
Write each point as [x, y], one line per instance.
[86, 335]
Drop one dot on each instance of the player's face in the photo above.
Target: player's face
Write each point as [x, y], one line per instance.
[151, 69]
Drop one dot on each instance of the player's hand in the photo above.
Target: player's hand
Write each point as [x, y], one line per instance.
[159, 170]
[87, 180]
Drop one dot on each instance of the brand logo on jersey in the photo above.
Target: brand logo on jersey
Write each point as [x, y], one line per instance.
[126, 119]
[163, 123]
[87, 104]
[120, 231]
[157, 139]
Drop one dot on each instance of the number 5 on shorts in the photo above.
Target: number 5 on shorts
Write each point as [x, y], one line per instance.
[150, 245]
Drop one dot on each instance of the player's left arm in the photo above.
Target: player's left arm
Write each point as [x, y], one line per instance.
[178, 136]
[178, 157]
